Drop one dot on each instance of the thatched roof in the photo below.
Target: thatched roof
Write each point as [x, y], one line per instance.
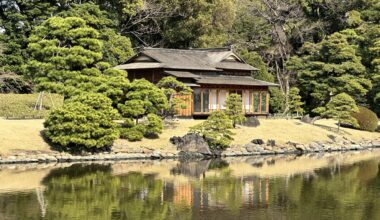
[215, 59]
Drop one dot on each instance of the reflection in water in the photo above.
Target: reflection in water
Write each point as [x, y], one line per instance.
[343, 186]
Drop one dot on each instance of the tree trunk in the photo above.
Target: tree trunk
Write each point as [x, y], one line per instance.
[338, 125]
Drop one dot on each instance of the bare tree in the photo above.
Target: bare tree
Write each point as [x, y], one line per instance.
[146, 23]
[288, 27]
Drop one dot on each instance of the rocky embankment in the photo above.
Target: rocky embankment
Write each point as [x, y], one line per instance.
[193, 145]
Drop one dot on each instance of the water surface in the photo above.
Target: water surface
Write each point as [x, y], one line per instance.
[319, 186]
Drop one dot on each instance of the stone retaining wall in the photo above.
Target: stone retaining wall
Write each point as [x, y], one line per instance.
[250, 149]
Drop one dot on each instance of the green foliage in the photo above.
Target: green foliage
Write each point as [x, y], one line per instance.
[143, 98]
[64, 51]
[11, 83]
[234, 109]
[216, 130]
[172, 88]
[331, 67]
[135, 133]
[254, 59]
[295, 103]
[116, 48]
[22, 105]
[66, 60]
[198, 23]
[84, 122]
[276, 101]
[340, 107]
[367, 119]
[18, 19]
[153, 126]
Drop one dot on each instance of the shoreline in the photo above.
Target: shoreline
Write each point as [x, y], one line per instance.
[234, 151]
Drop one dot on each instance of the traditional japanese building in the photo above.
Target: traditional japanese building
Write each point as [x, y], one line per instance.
[211, 73]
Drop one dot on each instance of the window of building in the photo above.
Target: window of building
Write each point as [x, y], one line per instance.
[197, 100]
[206, 100]
[264, 102]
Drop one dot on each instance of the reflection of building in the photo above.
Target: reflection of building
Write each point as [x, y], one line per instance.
[256, 192]
[183, 194]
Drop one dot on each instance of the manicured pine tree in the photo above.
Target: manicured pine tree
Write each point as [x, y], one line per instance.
[340, 107]
[234, 109]
[116, 48]
[216, 130]
[66, 59]
[84, 122]
[143, 98]
[153, 126]
[295, 103]
[174, 89]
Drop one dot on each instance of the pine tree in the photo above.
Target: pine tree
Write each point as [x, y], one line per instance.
[116, 48]
[143, 98]
[295, 103]
[331, 67]
[173, 88]
[340, 107]
[84, 122]
[66, 59]
[234, 109]
[153, 126]
[216, 130]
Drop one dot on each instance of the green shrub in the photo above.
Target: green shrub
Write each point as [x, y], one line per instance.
[128, 123]
[234, 109]
[154, 126]
[216, 130]
[366, 119]
[131, 134]
[84, 122]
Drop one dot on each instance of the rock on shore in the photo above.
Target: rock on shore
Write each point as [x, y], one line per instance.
[193, 145]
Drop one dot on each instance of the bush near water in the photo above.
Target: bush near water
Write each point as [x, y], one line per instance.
[84, 122]
[366, 119]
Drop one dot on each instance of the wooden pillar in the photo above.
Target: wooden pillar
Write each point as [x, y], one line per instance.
[217, 93]
[260, 94]
[268, 97]
[243, 98]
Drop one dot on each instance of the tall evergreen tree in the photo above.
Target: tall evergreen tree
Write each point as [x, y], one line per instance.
[116, 48]
[66, 59]
[331, 67]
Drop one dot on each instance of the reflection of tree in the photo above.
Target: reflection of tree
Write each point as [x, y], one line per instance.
[350, 193]
[92, 192]
[224, 189]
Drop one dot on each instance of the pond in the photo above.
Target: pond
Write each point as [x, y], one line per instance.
[318, 186]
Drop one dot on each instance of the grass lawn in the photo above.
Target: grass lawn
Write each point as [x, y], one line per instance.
[22, 105]
[21, 135]
[26, 134]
